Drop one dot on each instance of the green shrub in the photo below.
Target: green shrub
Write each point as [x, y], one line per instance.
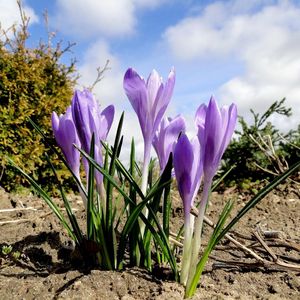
[33, 83]
[260, 151]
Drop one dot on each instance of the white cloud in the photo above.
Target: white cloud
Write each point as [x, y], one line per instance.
[107, 18]
[10, 14]
[263, 36]
[88, 18]
[110, 91]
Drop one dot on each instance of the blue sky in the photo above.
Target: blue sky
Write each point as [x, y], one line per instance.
[241, 51]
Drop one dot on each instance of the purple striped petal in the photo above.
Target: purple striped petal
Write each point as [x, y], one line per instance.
[65, 135]
[148, 99]
[188, 170]
[215, 129]
[165, 138]
[89, 120]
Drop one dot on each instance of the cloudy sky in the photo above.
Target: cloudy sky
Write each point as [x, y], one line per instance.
[241, 51]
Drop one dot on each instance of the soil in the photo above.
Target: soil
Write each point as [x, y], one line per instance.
[37, 268]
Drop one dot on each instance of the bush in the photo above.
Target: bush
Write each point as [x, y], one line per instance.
[260, 151]
[33, 83]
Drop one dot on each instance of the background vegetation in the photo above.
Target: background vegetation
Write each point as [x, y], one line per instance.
[33, 83]
[260, 151]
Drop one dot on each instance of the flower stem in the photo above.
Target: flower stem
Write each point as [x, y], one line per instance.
[145, 172]
[196, 243]
[187, 243]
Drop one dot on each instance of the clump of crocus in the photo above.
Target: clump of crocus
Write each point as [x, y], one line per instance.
[149, 100]
[166, 137]
[188, 171]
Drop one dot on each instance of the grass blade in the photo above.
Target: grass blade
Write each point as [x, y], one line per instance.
[90, 198]
[47, 141]
[46, 197]
[260, 195]
[72, 218]
[192, 285]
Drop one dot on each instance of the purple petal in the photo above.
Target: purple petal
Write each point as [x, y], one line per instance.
[163, 99]
[66, 135]
[81, 117]
[183, 161]
[136, 92]
[212, 136]
[89, 120]
[188, 170]
[171, 134]
[55, 121]
[215, 128]
[154, 84]
[135, 89]
[229, 117]
[197, 168]
[149, 100]
[165, 137]
[169, 86]
[107, 117]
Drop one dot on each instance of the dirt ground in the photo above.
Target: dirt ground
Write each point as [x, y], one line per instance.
[39, 272]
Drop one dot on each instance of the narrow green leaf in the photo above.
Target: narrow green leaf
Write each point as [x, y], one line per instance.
[216, 183]
[46, 197]
[47, 142]
[160, 236]
[125, 173]
[90, 197]
[72, 218]
[258, 197]
[101, 239]
[192, 286]
[114, 154]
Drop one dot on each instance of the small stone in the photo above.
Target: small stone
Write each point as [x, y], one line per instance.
[128, 297]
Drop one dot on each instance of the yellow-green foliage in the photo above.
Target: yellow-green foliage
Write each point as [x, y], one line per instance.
[33, 83]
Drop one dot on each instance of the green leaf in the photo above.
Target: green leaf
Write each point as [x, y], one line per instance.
[72, 218]
[48, 143]
[192, 284]
[259, 196]
[114, 154]
[46, 198]
[90, 196]
[159, 236]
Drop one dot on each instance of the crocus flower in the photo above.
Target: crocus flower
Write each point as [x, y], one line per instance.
[149, 99]
[188, 171]
[166, 136]
[89, 120]
[65, 135]
[215, 129]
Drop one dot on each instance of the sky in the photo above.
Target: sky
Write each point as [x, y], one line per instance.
[246, 52]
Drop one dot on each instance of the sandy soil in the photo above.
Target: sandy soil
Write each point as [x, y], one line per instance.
[40, 272]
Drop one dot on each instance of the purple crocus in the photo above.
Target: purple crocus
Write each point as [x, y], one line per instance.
[188, 171]
[89, 120]
[65, 135]
[166, 136]
[215, 129]
[149, 99]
